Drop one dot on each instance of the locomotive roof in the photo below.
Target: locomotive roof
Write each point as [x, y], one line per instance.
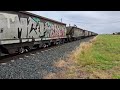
[28, 13]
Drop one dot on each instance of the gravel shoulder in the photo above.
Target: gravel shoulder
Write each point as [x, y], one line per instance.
[36, 66]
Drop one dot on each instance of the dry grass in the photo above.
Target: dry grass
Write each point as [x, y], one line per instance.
[60, 64]
[50, 76]
[69, 65]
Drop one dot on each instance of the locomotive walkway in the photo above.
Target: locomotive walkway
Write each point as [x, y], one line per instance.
[39, 64]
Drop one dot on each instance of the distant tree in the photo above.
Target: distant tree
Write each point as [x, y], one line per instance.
[113, 33]
[118, 33]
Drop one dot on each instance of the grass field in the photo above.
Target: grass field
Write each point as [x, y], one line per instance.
[100, 58]
[97, 59]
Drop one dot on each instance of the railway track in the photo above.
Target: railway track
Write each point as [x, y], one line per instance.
[37, 63]
[6, 58]
[15, 56]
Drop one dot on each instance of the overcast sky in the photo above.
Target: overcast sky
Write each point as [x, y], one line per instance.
[101, 22]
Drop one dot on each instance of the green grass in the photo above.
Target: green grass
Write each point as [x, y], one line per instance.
[103, 55]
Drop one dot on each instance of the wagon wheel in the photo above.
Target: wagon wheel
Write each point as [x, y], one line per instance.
[27, 49]
[21, 50]
[45, 45]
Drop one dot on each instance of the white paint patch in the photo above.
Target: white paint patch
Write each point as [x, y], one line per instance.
[26, 56]
[45, 50]
[37, 60]
[39, 39]
[42, 51]
[9, 41]
[50, 49]
[38, 53]
[32, 54]
[3, 63]
[20, 58]
[38, 72]
[12, 60]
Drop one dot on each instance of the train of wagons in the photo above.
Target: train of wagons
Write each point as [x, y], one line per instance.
[21, 31]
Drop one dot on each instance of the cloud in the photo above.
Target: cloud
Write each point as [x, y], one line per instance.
[96, 21]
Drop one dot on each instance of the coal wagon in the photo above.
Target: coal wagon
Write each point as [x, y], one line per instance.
[74, 33]
[20, 31]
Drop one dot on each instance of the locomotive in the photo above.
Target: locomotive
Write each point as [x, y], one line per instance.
[21, 31]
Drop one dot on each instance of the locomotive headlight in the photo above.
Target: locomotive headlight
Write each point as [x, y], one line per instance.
[1, 30]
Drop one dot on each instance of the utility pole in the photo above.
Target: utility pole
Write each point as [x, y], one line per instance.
[61, 19]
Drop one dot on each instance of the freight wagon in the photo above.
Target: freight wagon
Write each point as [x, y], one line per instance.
[86, 33]
[74, 33]
[93, 34]
[89, 33]
[20, 31]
